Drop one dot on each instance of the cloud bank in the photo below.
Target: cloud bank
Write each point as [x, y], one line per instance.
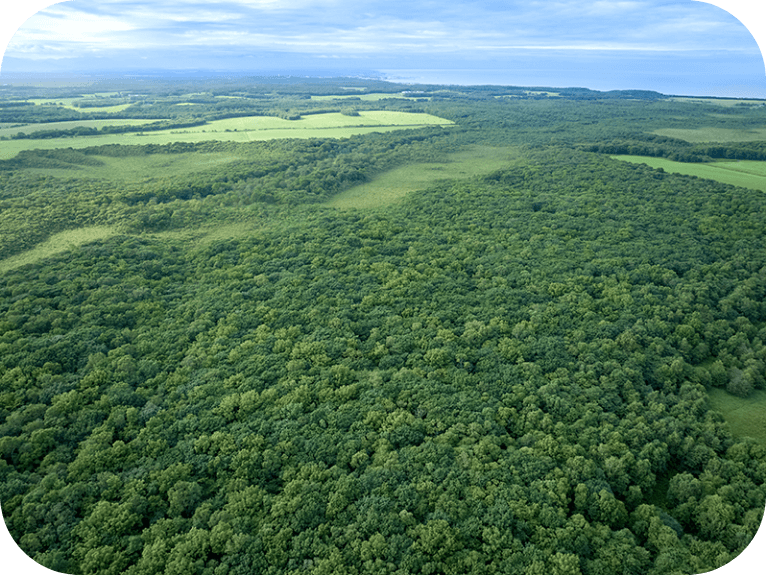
[677, 46]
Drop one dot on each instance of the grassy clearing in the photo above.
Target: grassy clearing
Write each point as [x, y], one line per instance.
[393, 185]
[107, 109]
[70, 103]
[318, 122]
[744, 173]
[531, 93]
[63, 102]
[746, 416]
[251, 128]
[141, 168]
[71, 239]
[206, 235]
[56, 244]
[713, 134]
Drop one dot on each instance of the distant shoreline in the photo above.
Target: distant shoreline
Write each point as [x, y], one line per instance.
[679, 86]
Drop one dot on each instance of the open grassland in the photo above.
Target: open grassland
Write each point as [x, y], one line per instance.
[107, 109]
[713, 134]
[206, 235]
[63, 102]
[744, 173]
[531, 93]
[746, 416]
[56, 244]
[312, 122]
[32, 128]
[71, 239]
[393, 185]
[382, 191]
[141, 168]
[251, 128]
[71, 103]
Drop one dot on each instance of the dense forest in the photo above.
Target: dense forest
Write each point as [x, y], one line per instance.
[500, 373]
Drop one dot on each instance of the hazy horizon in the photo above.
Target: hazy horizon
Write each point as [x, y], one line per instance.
[680, 47]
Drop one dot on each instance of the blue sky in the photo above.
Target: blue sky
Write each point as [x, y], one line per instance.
[674, 46]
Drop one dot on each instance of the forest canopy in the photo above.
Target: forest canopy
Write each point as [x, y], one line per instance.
[506, 370]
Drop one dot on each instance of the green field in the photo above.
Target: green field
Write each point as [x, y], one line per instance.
[250, 128]
[71, 239]
[208, 234]
[382, 191]
[321, 122]
[531, 93]
[392, 185]
[141, 168]
[108, 109]
[71, 103]
[699, 135]
[746, 416]
[744, 173]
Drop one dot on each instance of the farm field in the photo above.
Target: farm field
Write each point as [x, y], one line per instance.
[745, 416]
[744, 173]
[251, 128]
[393, 185]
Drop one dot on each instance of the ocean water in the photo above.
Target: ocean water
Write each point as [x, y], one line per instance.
[713, 74]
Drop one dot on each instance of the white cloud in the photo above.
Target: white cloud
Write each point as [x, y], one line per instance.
[533, 35]
[345, 28]
[56, 32]
[66, 16]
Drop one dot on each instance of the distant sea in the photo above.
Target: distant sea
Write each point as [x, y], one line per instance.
[696, 79]
[715, 75]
